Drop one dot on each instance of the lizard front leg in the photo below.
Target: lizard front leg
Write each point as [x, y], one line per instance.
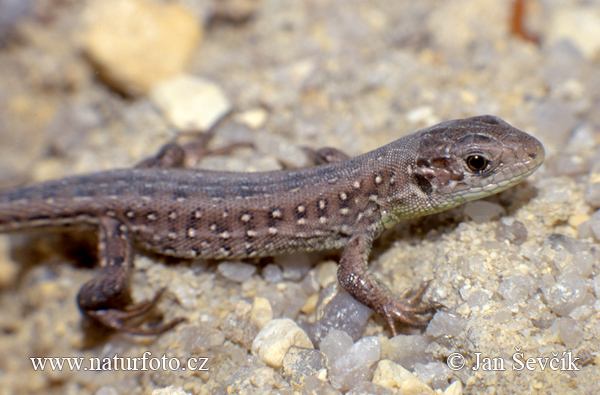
[356, 279]
[105, 298]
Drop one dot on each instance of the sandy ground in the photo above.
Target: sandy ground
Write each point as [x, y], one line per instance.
[519, 274]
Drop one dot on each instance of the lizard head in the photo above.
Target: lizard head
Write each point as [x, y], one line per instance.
[468, 159]
[458, 161]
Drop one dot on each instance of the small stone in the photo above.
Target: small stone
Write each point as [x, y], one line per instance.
[313, 385]
[170, 390]
[263, 378]
[455, 388]
[293, 299]
[275, 339]
[391, 375]
[272, 273]
[301, 363]
[592, 192]
[310, 284]
[327, 273]
[254, 118]
[478, 298]
[481, 211]
[137, 43]
[517, 288]
[109, 390]
[556, 119]
[341, 312]
[435, 373]
[287, 152]
[190, 103]
[295, 266]
[200, 338]
[335, 344]
[238, 326]
[513, 231]
[569, 331]
[236, 271]
[406, 350]
[566, 293]
[445, 324]
[571, 255]
[565, 164]
[350, 363]
[11, 12]
[261, 312]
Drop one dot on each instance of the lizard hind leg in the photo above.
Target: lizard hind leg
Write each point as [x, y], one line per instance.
[105, 298]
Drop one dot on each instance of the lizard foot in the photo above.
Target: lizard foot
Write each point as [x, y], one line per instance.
[114, 318]
[410, 309]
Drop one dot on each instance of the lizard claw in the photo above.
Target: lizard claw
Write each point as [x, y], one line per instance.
[411, 311]
[114, 318]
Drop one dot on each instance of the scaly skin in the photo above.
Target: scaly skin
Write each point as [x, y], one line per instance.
[224, 215]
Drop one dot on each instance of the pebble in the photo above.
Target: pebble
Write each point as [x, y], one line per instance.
[478, 298]
[481, 211]
[295, 266]
[190, 103]
[11, 11]
[200, 338]
[110, 390]
[556, 119]
[350, 363]
[568, 330]
[511, 230]
[170, 390]
[327, 273]
[407, 350]
[275, 339]
[516, 289]
[437, 374]
[236, 271]
[567, 293]
[456, 388]
[238, 326]
[137, 43]
[288, 153]
[445, 324]
[341, 312]
[294, 298]
[254, 118]
[394, 376]
[313, 385]
[272, 273]
[571, 255]
[301, 363]
[261, 312]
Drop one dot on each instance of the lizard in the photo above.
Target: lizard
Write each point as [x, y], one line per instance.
[341, 203]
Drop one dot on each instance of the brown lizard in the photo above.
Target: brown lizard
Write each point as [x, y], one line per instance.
[345, 203]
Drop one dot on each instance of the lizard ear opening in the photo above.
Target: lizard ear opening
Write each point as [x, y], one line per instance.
[423, 183]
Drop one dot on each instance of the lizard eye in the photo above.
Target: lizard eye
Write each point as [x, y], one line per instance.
[477, 163]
